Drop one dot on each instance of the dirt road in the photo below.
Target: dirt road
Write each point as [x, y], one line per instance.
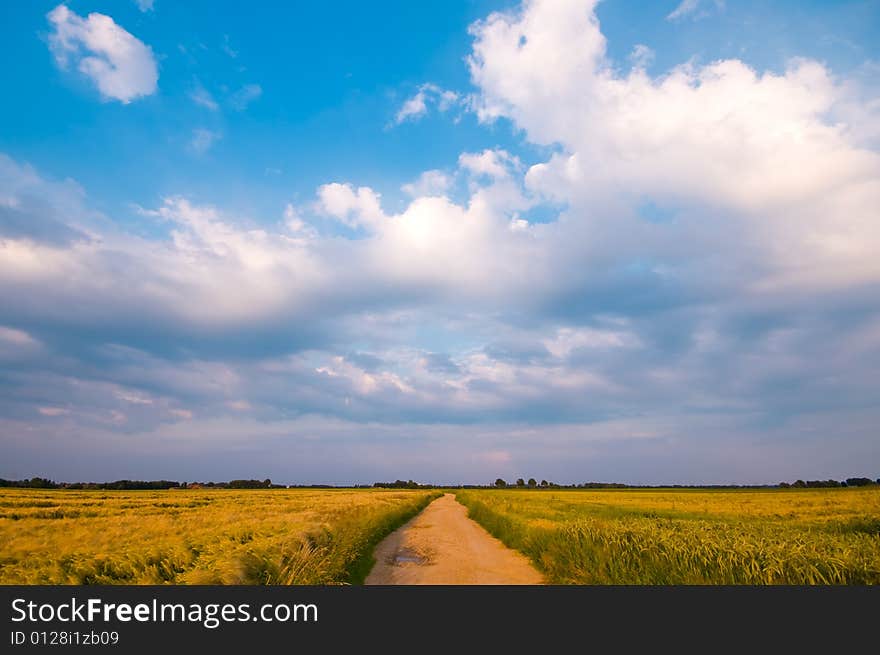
[443, 546]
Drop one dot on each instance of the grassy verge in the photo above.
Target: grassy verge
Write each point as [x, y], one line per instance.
[359, 567]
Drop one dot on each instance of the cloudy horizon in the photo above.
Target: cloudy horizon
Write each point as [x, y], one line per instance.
[562, 239]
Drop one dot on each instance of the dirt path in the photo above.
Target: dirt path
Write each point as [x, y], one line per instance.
[443, 546]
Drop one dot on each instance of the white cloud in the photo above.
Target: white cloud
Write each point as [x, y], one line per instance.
[683, 9]
[202, 97]
[567, 340]
[362, 382]
[496, 164]
[359, 207]
[412, 108]
[416, 107]
[292, 219]
[245, 96]
[446, 99]
[122, 67]
[202, 140]
[753, 162]
[642, 56]
[590, 325]
[217, 275]
[145, 5]
[694, 8]
[429, 183]
[299, 229]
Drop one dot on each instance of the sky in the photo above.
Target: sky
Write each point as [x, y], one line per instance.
[345, 242]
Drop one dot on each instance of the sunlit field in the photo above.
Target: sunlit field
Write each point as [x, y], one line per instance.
[822, 536]
[196, 536]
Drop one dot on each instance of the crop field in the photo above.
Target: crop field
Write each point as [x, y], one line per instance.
[287, 536]
[822, 536]
[196, 536]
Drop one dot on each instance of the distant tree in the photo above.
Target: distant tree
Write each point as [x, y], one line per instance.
[532, 482]
[544, 483]
[33, 483]
[401, 484]
[821, 484]
[247, 484]
[500, 483]
[520, 482]
[800, 484]
[858, 482]
[784, 485]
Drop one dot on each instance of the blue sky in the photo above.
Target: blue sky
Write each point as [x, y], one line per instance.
[449, 241]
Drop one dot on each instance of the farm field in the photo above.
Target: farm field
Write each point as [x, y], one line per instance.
[822, 536]
[196, 536]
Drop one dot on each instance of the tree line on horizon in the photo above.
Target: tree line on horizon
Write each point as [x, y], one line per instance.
[798, 484]
[140, 485]
[500, 483]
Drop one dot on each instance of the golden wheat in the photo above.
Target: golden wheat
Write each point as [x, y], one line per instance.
[828, 536]
[195, 536]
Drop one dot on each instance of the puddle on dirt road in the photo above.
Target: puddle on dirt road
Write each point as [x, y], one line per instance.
[407, 556]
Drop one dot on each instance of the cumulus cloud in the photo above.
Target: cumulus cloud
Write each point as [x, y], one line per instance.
[744, 157]
[295, 224]
[497, 164]
[429, 183]
[412, 109]
[699, 293]
[216, 270]
[354, 207]
[121, 66]
[428, 95]
[641, 56]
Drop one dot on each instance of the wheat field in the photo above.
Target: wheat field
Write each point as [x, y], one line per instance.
[307, 536]
[821, 536]
[283, 536]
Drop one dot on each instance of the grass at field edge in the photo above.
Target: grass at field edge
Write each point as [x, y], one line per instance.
[360, 568]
